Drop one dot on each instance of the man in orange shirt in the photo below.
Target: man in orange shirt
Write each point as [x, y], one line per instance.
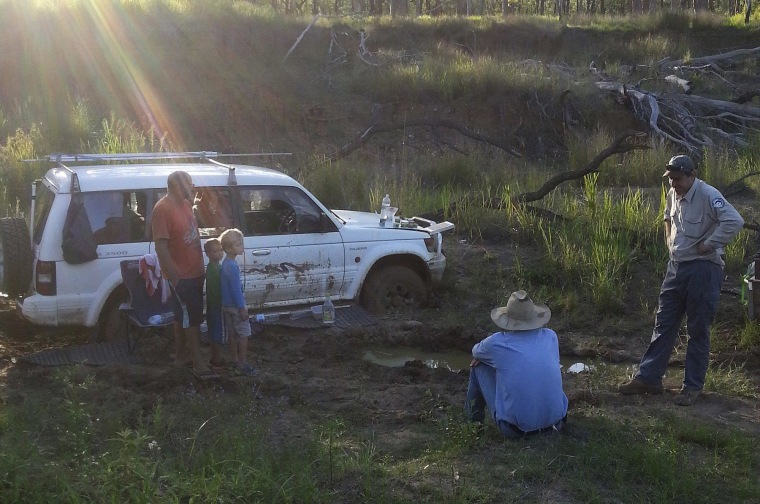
[178, 246]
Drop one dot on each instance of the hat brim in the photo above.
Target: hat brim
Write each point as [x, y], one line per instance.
[540, 317]
[669, 171]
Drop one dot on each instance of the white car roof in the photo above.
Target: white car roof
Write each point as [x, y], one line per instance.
[147, 176]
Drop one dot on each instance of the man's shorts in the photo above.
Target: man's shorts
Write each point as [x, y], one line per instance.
[190, 291]
[234, 326]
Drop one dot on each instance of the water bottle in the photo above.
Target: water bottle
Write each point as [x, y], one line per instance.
[163, 318]
[263, 318]
[386, 203]
[328, 311]
[185, 316]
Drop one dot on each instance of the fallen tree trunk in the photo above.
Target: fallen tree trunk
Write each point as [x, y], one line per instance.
[627, 141]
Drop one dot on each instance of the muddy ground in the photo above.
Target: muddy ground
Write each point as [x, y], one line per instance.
[315, 375]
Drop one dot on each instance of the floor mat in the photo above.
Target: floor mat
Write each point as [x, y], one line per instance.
[97, 354]
[345, 317]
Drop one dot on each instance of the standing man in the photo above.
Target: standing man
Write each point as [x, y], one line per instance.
[699, 222]
[178, 246]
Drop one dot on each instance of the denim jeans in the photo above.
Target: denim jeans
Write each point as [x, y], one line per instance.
[690, 288]
[481, 392]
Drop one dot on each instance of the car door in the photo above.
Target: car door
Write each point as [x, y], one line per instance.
[293, 251]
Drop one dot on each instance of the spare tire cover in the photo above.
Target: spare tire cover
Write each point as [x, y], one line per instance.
[15, 256]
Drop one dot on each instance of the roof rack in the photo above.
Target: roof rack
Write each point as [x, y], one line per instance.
[130, 156]
[208, 156]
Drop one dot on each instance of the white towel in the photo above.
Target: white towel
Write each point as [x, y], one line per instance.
[150, 270]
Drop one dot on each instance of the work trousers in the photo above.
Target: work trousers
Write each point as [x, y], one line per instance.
[690, 288]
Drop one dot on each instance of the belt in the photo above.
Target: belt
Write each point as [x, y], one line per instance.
[537, 431]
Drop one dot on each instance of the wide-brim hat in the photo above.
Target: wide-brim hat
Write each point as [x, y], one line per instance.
[521, 313]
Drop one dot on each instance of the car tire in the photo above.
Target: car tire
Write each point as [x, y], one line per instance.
[15, 256]
[393, 287]
[112, 326]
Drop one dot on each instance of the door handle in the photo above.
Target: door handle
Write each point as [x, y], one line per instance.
[261, 252]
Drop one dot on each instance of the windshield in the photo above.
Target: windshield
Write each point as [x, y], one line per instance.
[42, 204]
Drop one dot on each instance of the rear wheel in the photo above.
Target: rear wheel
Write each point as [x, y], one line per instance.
[112, 326]
[393, 287]
[15, 256]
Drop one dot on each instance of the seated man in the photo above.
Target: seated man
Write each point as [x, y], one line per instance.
[516, 372]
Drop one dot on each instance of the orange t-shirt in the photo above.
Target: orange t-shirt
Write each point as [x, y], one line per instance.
[177, 224]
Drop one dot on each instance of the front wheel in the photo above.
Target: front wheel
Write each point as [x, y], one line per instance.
[393, 287]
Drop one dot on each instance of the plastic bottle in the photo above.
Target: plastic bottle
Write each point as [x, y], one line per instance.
[163, 318]
[263, 318]
[386, 203]
[328, 311]
[185, 316]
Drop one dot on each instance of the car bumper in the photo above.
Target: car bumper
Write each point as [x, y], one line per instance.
[41, 310]
[437, 266]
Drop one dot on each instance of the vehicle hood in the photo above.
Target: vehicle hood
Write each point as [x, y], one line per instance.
[368, 220]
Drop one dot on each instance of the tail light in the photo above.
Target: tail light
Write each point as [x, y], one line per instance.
[45, 278]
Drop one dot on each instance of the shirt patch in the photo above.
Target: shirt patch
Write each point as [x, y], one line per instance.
[718, 203]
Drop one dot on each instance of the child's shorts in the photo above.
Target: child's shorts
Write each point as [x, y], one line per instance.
[234, 326]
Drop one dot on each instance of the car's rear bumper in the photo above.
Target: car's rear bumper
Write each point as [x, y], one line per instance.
[37, 309]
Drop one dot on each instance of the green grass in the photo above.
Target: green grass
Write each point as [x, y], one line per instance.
[70, 444]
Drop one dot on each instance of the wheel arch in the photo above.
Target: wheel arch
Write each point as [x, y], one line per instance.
[411, 261]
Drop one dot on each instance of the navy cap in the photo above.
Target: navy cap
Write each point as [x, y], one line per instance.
[679, 164]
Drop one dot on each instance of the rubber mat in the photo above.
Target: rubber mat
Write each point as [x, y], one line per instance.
[346, 317]
[97, 354]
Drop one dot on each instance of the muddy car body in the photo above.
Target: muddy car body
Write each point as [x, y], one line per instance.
[296, 250]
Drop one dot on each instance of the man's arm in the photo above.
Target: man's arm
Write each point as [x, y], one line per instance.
[729, 224]
[168, 270]
[667, 231]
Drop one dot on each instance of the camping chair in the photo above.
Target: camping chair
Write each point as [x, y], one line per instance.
[141, 307]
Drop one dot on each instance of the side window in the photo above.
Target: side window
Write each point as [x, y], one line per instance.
[117, 216]
[42, 205]
[273, 210]
[212, 207]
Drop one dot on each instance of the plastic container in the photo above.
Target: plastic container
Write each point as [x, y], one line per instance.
[384, 206]
[328, 311]
[185, 316]
[163, 318]
[263, 318]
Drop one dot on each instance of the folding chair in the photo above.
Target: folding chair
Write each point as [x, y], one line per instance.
[141, 307]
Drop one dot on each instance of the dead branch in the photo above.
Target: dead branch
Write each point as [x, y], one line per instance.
[737, 185]
[365, 136]
[629, 140]
[298, 40]
[707, 60]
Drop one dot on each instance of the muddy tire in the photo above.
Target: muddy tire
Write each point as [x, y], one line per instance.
[111, 325]
[393, 287]
[15, 256]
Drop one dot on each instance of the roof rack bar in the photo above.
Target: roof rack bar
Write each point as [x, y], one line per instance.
[75, 187]
[133, 156]
[232, 180]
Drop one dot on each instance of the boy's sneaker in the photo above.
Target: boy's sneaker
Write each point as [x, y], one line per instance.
[686, 397]
[637, 386]
[247, 370]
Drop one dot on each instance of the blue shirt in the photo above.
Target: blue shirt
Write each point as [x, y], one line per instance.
[528, 377]
[232, 286]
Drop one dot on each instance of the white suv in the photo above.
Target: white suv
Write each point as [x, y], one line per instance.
[87, 218]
